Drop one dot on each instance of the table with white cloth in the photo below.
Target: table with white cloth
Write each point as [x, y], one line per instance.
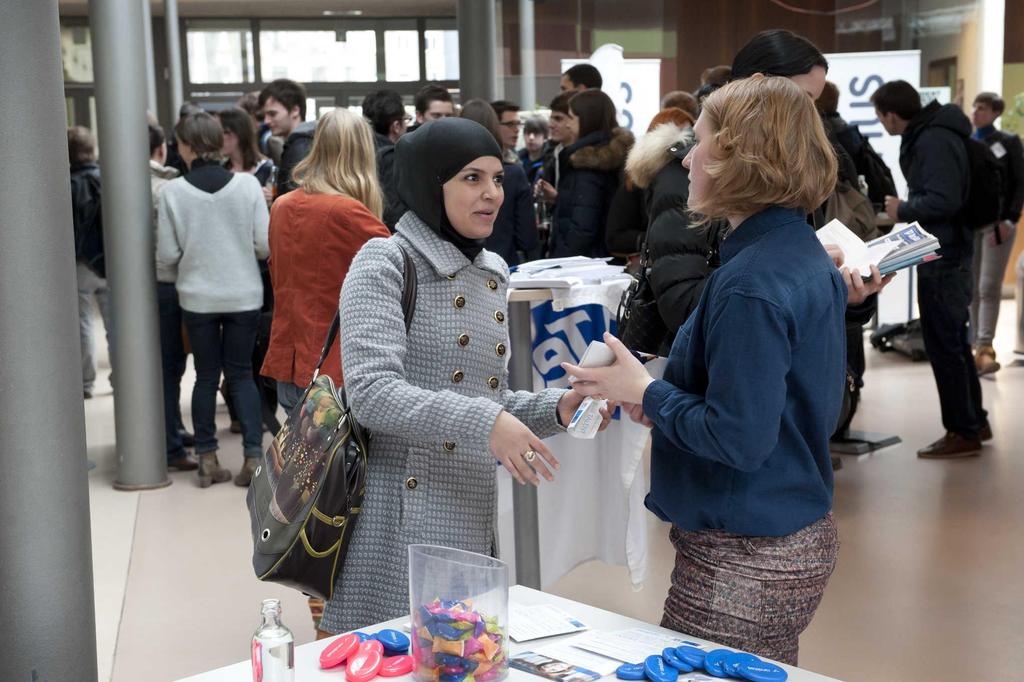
[595, 507]
[307, 656]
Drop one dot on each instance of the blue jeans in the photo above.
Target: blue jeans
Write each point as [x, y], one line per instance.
[92, 286]
[288, 395]
[172, 360]
[224, 342]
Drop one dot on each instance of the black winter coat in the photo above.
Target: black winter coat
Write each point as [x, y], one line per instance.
[1012, 165]
[296, 148]
[627, 222]
[515, 229]
[934, 162]
[590, 172]
[393, 206]
[87, 216]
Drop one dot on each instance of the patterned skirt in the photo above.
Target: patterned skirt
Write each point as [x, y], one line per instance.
[755, 594]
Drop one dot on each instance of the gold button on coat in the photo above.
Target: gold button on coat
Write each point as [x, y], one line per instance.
[500, 350]
[492, 285]
[411, 483]
[460, 301]
[464, 340]
[493, 382]
[449, 445]
[458, 376]
[499, 316]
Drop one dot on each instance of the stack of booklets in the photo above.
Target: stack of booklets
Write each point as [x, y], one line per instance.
[903, 248]
[562, 273]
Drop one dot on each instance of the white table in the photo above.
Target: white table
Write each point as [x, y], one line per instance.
[307, 656]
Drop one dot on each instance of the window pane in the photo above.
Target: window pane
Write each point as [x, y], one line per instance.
[319, 56]
[442, 55]
[76, 52]
[216, 56]
[401, 56]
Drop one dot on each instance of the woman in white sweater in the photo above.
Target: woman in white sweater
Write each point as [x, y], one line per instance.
[212, 228]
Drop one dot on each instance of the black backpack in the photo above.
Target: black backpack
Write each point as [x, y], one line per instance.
[985, 181]
[869, 164]
[87, 216]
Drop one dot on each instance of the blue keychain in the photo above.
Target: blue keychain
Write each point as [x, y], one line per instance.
[672, 658]
[362, 636]
[394, 641]
[761, 671]
[714, 660]
[732, 662]
[630, 671]
[656, 670]
[691, 656]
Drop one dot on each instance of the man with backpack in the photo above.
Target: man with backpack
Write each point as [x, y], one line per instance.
[937, 159]
[992, 245]
[86, 214]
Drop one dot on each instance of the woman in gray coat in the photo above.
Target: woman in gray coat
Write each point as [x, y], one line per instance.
[436, 400]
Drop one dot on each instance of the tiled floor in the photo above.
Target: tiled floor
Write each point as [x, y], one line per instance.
[929, 586]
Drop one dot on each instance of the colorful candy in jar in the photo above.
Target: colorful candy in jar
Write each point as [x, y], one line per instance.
[455, 643]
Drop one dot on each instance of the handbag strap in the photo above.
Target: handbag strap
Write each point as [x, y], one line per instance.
[408, 307]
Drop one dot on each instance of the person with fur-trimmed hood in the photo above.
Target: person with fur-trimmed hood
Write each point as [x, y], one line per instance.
[591, 170]
[679, 255]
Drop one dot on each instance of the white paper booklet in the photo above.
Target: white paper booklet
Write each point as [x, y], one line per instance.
[910, 245]
[535, 622]
[629, 646]
[560, 273]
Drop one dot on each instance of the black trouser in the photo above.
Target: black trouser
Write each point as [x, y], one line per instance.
[172, 360]
[944, 296]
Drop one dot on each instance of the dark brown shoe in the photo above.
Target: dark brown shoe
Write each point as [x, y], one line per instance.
[951, 446]
[184, 463]
[985, 435]
[249, 466]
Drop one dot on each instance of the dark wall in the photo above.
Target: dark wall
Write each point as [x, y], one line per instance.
[1013, 41]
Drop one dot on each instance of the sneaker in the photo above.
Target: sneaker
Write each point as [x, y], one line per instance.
[985, 360]
[87, 394]
[183, 463]
[951, 446]
[985, 435]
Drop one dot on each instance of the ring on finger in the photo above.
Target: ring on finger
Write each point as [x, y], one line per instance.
[530, 455]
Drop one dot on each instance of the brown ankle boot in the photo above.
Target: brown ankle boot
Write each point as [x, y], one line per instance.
[985, 360]
[210, 470]
[249, 466]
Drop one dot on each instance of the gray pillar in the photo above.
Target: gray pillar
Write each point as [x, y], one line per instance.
[45, 544]
[147, 37]
[524, 497]
[120, 69]
[477, 49]
[174, 56]
[527, 61]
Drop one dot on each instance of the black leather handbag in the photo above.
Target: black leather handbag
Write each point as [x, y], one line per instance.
[307, 493]
[640, 326]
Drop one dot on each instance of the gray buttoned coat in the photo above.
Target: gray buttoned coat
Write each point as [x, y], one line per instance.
[429, 400]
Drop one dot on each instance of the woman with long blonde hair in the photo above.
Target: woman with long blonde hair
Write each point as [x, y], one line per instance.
[315, 231]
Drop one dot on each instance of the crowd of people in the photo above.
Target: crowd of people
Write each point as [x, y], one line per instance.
[263, 218]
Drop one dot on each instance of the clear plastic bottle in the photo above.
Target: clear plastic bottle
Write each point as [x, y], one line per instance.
[273, 647]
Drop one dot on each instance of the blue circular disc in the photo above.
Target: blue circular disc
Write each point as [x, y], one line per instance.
[362, 636]
[393, 641]
[731, 664]
[714, 660]
[672, 658]
[691, 655]
[761, 671]
[656, 670]
[630, 671]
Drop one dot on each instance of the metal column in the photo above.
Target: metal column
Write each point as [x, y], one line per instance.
[45, 544]
[478, 75]
[174, 56]
[147, 37]
[119, 61]
[524, 497]
[527, 57]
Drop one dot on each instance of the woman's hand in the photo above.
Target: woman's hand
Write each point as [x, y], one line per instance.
[858, 289]
[1005, 229]
[636, 413]
[518, 449]
[624, 381]
[268, 194]
[570, 402]
[836, 254]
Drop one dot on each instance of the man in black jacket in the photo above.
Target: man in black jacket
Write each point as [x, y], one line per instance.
[992, 245]
[87, 219]
[386, 114]
[933, 157]
[283, 103]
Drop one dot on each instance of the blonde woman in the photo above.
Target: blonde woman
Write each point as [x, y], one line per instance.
[754, 381]
[315, 232]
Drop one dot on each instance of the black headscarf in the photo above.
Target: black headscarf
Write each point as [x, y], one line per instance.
[430, 156]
